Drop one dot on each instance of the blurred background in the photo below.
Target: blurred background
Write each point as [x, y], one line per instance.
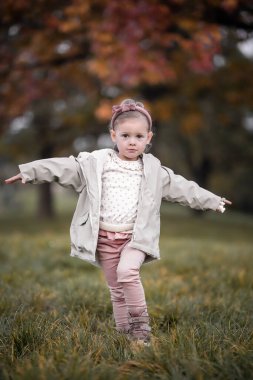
[65, 63]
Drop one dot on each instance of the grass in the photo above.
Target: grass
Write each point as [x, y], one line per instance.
[56, 317]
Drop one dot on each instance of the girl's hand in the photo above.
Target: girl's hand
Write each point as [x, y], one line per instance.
[223, 202]
[11, 180]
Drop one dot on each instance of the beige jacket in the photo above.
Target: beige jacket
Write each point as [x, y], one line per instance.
[83, 174]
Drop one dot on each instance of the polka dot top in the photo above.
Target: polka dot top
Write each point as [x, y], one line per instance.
[121, 181]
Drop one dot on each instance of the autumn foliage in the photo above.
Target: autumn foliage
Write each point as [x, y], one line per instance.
[124, 44]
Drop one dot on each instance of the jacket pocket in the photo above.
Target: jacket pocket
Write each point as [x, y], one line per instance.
[81, 233]
[82, 220]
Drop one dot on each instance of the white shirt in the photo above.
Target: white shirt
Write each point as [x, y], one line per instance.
[121, 181]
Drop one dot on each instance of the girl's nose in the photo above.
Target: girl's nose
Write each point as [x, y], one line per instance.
[132, 141]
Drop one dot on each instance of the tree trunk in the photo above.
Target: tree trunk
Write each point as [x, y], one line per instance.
[45, 195]
[201, 175]
[45, 201]
[202, 171]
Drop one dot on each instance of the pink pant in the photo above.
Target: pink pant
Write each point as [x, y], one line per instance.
[121, 265]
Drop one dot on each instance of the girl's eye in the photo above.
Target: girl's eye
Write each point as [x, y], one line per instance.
[139, 136]
[124, 135]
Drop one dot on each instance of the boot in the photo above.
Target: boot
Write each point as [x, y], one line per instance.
[124, 329]
[139, 327]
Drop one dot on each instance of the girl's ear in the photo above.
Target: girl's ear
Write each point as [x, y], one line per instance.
[150, 135]
[113, 135]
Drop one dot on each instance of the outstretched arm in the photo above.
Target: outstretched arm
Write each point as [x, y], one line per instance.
[188, 193]
[66, 171]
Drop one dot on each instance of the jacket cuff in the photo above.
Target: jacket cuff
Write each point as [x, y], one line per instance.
[26, 177]
[221, 207]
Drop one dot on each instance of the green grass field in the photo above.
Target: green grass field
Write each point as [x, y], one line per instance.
[56, 316]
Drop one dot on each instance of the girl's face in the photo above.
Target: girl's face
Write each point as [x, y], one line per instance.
[131, 137]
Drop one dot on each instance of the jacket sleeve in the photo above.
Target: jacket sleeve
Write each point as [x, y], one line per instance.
[188, 193]
[66, 171]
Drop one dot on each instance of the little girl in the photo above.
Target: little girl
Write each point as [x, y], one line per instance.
[116, 224]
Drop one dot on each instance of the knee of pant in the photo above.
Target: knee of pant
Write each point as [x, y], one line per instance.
[117, 294]
[127, 274]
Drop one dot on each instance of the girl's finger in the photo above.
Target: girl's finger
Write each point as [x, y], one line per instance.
[227, 202]
[13, 179]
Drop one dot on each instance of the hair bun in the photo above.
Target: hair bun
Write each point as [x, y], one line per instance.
[127, 101]
[131, 101]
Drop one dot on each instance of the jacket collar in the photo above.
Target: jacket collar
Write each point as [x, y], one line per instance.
[99, 157]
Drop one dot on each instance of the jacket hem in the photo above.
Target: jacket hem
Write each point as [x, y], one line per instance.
[154, 256]
[84, 256]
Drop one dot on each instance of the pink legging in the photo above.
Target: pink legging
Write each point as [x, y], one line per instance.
[121, 265]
